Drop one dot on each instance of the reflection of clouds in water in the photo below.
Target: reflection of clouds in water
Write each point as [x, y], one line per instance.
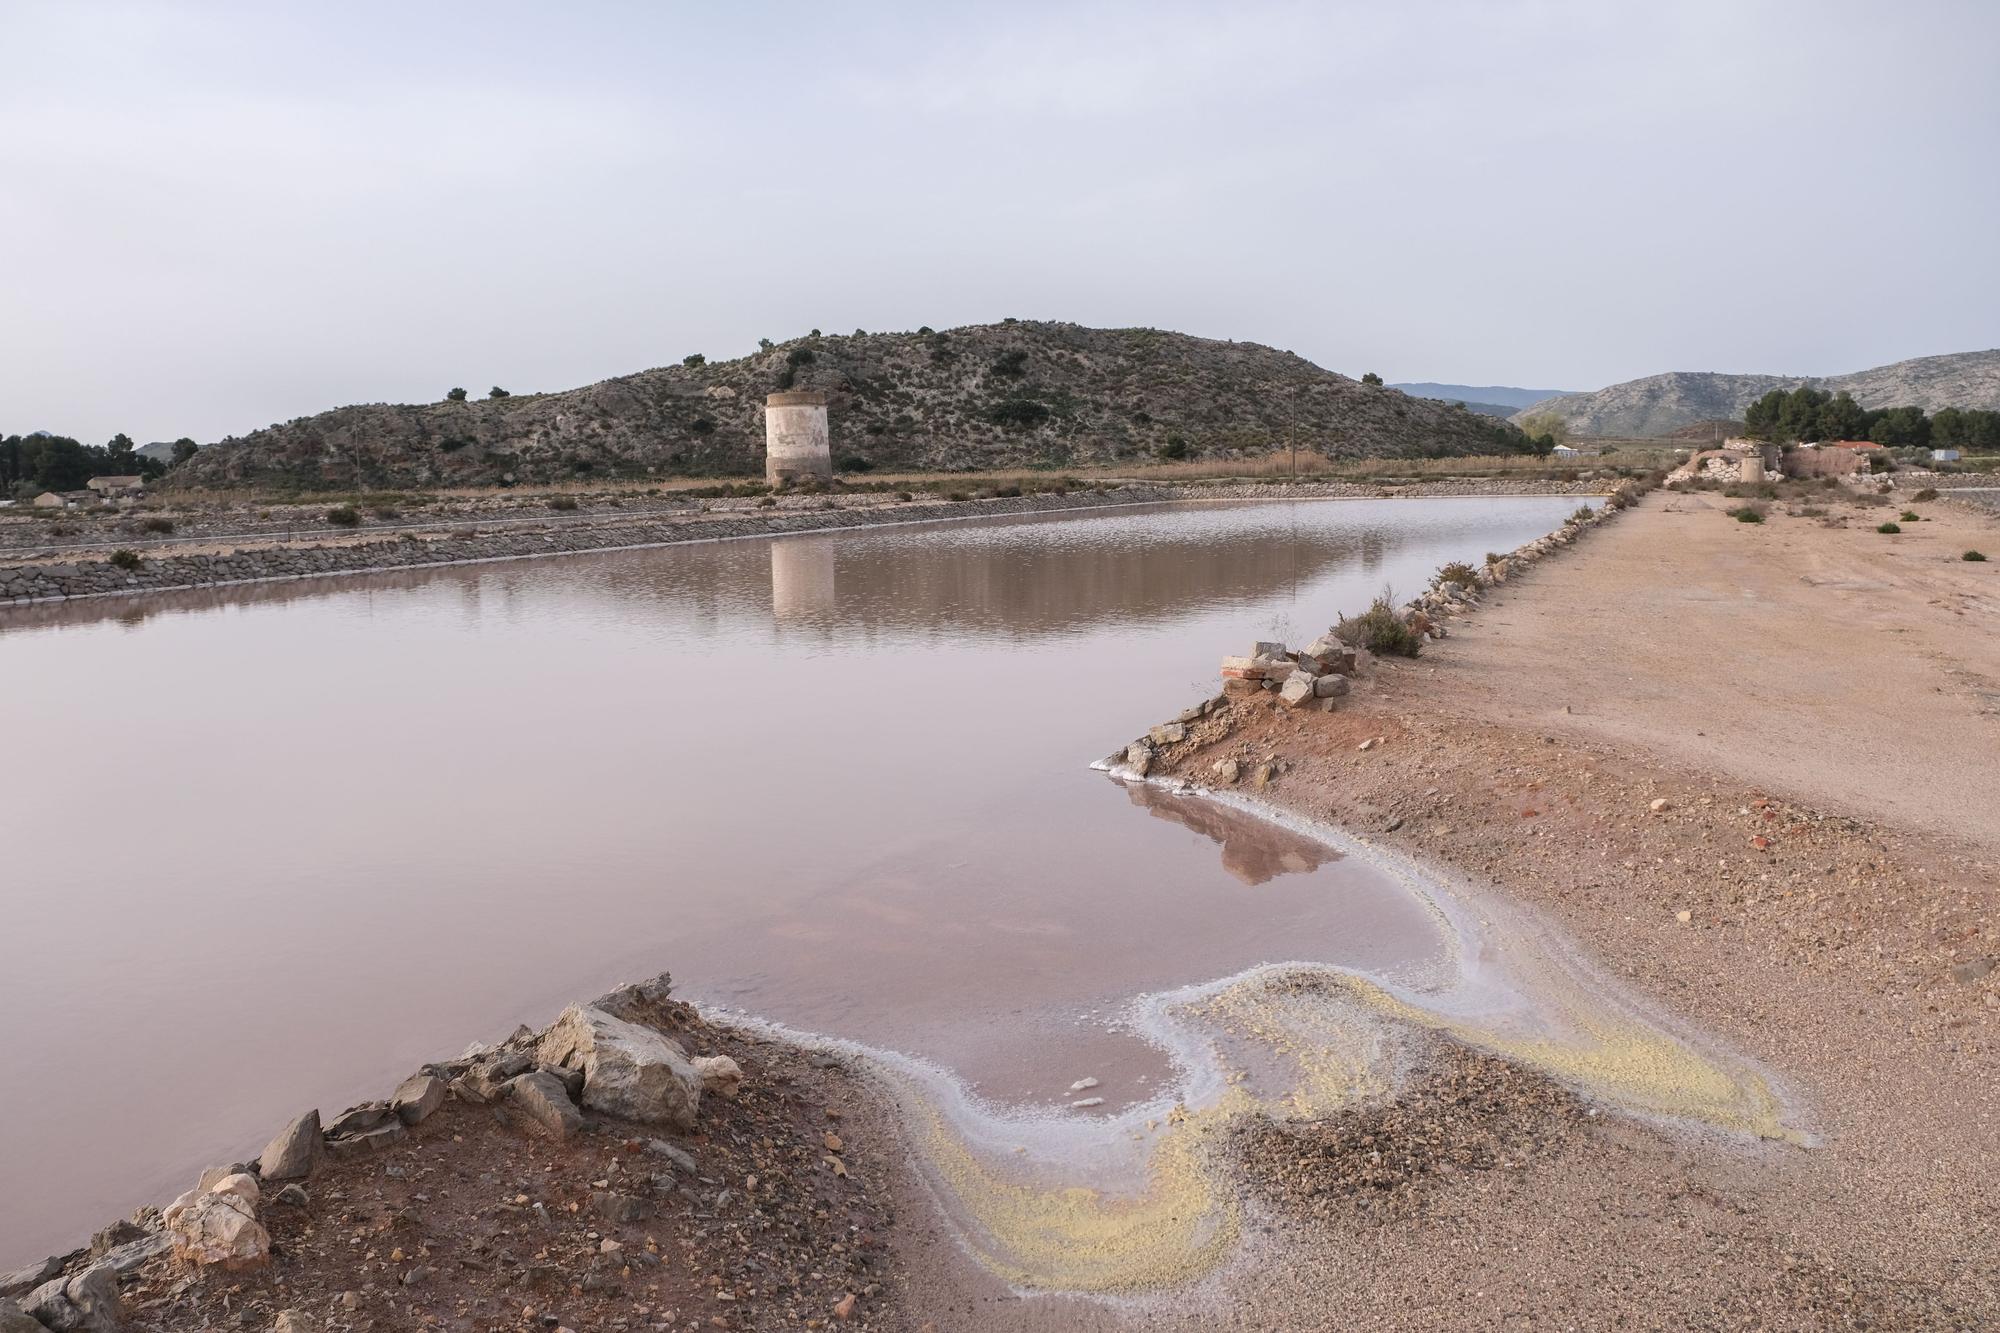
[1253, 850]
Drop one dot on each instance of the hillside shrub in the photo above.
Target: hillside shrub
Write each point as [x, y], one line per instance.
[1464, 575]
[124, 559]
[1380, 630]
[564, 503]
[1910, 516]
[1974, 556]
[1018, 413]
[1174, 448]
[156, 524]
[344, 516]
[1750, 513]
[1890, 528]
[1927, 493]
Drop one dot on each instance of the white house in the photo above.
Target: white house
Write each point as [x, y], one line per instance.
[1944, 455]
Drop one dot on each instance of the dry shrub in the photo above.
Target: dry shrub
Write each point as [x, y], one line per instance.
[1380, 630]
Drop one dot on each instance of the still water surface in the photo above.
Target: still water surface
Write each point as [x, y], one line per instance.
[272, 847]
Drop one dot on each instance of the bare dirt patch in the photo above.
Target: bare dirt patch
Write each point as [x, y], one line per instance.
[473, 1221]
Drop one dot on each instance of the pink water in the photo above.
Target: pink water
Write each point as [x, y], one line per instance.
[272, 847]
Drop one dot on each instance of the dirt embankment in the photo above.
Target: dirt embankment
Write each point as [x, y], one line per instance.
[209, 555]
[501, 1206]
[1752, 770]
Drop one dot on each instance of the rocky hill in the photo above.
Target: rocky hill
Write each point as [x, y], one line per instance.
[1009, 394]
[1499, 395]
[1661, 404]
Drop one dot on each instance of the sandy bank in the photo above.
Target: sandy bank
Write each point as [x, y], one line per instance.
[1811, 880]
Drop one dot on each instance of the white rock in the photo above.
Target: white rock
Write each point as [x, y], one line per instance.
[1082, 1083]
[628, 1071]
[719, 1074]
[1086, 1102]
[218, 1225]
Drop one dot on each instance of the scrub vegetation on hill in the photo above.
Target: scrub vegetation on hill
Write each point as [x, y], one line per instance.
[1013, 394]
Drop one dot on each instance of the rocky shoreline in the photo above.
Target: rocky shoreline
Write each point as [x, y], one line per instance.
[527, 1183]
[34, 582]
[1317, 675]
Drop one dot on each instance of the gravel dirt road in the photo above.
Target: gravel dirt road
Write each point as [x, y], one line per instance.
[1754, 772]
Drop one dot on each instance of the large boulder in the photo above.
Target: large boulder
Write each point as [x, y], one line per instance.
[629, 1071]
[649, 1004]
[24, 1280]
[13, 1319]
[418, 1098]
[294, 1153]
[542, 1098]
[86, 1303]
[218, 1225]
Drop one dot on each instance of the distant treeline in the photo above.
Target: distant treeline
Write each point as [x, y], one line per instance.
[1806, 413]
[35, 463]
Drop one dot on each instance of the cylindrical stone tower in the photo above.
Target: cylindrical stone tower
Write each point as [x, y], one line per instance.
[796, 444]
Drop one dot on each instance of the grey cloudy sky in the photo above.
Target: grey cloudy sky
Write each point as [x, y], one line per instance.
[213, 216]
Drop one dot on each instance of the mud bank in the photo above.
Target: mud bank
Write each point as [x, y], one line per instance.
[160, 568]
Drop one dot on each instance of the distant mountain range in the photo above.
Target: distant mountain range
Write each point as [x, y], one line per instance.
[1479, 397]
[1659, 405]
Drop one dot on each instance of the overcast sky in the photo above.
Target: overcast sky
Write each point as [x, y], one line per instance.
[214, 216]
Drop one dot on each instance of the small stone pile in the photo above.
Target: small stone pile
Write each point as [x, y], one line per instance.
[1316, 674]
[618, 1056]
